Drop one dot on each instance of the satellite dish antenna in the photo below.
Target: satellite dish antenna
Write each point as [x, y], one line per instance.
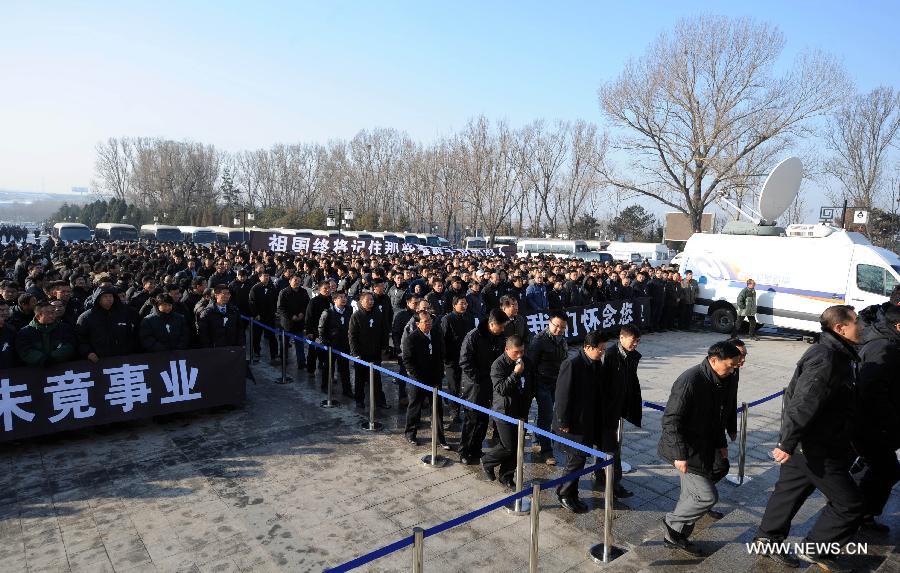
[780, 188]
[778, 192]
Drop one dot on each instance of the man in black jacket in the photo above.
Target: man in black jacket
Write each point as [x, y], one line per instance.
[7, 339]
[422, 357]
[814, 448]
[480, 347]
[877, 431]
[400, 320]
[263, 304]
[193, 295]
[547, 351]
[292, 304]
[334, 332]
[513, 382]
[454, 328]
[219, 324]
[163, 329]
[656, 289]
[576, 413]
[692, 437]
[621, 399]
[368, 338]
[107, 329]
[314, 310]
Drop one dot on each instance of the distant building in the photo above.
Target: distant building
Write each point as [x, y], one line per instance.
[80, 190]
[679, 228]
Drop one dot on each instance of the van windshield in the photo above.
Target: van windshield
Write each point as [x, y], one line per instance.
[581, 248]
[75, 234]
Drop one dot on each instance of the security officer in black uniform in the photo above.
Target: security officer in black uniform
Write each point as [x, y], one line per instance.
[814, 448]
[422, 357]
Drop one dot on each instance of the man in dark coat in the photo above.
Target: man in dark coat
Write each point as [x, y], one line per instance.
[546, 352]
[454, 328]
[480, 348]
[7, 339]
[368, 338]
[263, 305]
[657, 291]
[163, 329]
[45, 340]
[692, 437]
[579, 388]
[290, 309]
[814, 448]
[513, 381]
[219, 323]
[23, 312]
[877, 431]
[621, 399]
[334, 332]
[400, 321]
[191, 297]
[314, 310]
[422, 357]
[107, 329]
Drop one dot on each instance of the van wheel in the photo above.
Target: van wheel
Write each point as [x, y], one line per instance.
[723, 320]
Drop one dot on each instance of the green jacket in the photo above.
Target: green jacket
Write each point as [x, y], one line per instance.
[690, 290]
[746, 302]
[39, 344]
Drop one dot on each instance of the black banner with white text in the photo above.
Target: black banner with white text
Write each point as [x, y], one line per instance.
[81, 394]
[295, 244]
[604, 316]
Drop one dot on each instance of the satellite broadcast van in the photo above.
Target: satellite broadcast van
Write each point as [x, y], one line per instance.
[799, 271]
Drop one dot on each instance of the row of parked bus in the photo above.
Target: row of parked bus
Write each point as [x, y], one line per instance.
[74, 232]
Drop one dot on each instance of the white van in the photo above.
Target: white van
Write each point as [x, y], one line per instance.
[656, 253]
[797, 276]
[560, 248]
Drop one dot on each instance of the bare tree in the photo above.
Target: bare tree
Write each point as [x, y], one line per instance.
[703, 98]
[858, 137]
[113, 168]
[581, 176]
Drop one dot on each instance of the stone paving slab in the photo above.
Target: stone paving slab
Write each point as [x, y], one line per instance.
[284, 485]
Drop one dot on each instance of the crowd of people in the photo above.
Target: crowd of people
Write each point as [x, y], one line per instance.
[9, 233]
[460, 318]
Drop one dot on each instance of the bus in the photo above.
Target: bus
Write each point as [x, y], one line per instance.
[71, 232]
[161, 233]
[229, 235]
[558, 247]
[115, 232]
[432, 240]
[199, 235]
[481, 242]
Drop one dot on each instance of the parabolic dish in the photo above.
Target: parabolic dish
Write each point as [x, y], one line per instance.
[780, 188]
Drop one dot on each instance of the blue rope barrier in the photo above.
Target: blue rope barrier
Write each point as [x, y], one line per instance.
[372, 556]
[766, 399]
[654, 406]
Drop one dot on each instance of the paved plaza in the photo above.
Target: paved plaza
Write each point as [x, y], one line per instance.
[284, 485]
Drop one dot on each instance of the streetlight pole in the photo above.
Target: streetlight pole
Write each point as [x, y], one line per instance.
[339, 219]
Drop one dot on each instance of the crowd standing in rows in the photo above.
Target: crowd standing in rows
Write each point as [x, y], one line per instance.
[460, 318]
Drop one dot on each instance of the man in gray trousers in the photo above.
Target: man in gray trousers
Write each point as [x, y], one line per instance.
[692, 437]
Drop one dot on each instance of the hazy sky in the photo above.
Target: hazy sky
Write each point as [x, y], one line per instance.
[249, 74]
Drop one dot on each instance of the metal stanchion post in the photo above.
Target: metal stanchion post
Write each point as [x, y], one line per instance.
[620, 436]
[521, 506]
[372, 425]
[285, 379]
[434, 459]
[535, 528]
[418, 550]
[606, 551]
[740, 478]
[253, 358]
[328, 402]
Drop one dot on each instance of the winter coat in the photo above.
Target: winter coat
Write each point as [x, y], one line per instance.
[878, 420]
[334, 329]
[692, 424]
[8, 357]
[746, 302]
[314, 310]
[512, 392]
[656, 288]
[577, 405]
[690, 290]
[547, 353]
[422, 357]
[401, 319]
[290, 303]
[479, 349]
[620, 374]
[438, 302]
[215, 329]
[536, 295]
[160, 332]
[476, 304]
[368, 334]
[107, 333]
[820, 401]
[264, 301]
[454, 328]
[518, 326]
[240, 295]
[41, 345]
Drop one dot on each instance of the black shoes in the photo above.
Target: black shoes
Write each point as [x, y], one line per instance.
[411, 440]
[384, 406]
[717, 515]
[573, 504]
[620, 492]
[487, 474]
[869, 524]
[676, 540]
[508, 483]
[765, 550]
